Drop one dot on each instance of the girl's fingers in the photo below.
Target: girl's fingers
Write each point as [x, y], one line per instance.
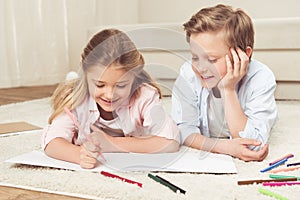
[95, 128]
[84, 153]
[88, 162]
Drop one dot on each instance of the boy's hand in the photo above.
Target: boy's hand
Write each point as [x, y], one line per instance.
[238, 147]
[236, 69]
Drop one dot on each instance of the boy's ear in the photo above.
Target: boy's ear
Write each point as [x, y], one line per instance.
[248, 51]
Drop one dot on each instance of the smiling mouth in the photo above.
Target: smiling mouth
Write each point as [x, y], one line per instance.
[109, 101]
[206, 77]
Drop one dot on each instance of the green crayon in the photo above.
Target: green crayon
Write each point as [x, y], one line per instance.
[271, 194]
[277, 176]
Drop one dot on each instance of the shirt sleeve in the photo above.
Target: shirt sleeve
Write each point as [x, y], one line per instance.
[61, 127]
[185, 109]
[156, 121]
[261, 111]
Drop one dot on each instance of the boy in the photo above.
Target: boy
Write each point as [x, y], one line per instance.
[223, 101]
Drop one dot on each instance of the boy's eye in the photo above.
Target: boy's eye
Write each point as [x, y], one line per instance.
[195, 58]
[212, 60]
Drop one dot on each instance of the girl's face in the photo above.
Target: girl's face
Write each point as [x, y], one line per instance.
[109, 86]
[208, 57]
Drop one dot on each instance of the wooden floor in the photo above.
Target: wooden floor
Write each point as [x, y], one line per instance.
[20, 94]
[18, 193]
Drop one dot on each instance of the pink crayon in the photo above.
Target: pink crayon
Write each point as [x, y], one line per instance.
[279, 159]
[281, 183]
[81, 129]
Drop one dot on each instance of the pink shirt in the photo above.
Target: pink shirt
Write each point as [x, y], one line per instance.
[143, 116]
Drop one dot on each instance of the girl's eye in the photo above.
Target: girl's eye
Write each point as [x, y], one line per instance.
[99, 86]
[121, 86]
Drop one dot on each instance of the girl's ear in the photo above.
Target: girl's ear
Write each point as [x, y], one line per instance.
[248, 51]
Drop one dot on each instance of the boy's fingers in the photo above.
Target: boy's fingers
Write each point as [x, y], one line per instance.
[229, 64]
[244, 60]
[252, 155]
[236, 62]
[247, 141]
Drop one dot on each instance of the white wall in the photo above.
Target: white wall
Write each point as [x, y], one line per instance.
[40, 40]
[83, 14]
[157, 11]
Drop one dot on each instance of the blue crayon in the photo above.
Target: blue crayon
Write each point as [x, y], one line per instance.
[274, 165]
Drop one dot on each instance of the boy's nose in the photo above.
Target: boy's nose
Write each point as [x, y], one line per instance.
[201, 69]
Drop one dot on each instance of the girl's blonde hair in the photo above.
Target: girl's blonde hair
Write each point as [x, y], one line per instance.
[110, 46]
[236, 24]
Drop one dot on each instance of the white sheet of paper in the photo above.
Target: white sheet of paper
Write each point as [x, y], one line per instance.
[182, 161]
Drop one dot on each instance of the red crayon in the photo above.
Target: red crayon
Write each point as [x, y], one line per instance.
[121, 178]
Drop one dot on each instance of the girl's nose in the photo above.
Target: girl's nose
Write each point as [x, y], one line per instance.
[109, 93]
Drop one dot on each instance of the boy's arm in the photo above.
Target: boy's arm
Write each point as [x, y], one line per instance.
[237, 68]
[259, 111]
[237, 147]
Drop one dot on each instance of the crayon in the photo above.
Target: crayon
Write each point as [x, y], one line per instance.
[281, 183]
[278, 176]
[282, 158]
[271, 194]
[274, 165]
[248, 182]
[120, 178]
[166, 183]
[293, 164]
[68, 112]
[287, 169]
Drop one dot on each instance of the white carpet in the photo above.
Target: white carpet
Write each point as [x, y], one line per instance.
[284, 140]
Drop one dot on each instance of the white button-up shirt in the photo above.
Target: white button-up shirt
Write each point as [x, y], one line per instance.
[255, 93]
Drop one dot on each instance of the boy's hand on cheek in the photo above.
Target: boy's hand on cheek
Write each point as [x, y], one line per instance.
[236, 69]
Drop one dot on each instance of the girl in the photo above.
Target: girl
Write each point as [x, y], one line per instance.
[116, 95]
[222, 93]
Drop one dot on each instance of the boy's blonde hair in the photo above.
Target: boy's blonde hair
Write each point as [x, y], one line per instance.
[110, 47]
[236, 24]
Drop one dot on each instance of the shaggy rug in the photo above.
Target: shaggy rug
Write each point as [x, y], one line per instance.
[95, 186]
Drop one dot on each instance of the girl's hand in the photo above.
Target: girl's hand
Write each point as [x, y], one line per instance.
[88, 160]
[101, 140]
[238, 147]
[90, 149]
[236, 69]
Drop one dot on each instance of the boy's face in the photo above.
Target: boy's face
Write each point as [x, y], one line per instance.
[208, 57]
[109, 86]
